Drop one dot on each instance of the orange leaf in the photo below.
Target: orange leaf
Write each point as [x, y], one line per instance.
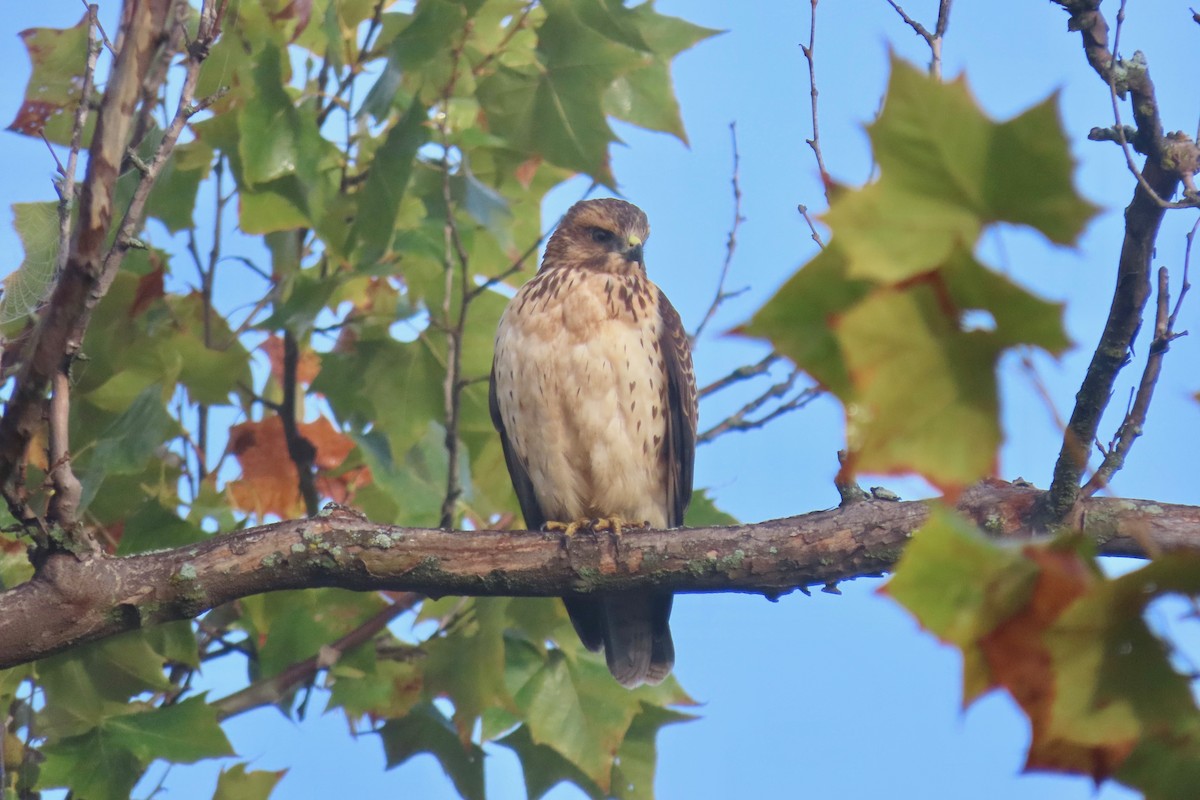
[307, 367]
[1018, 660]
[270, 482]
[149, 289]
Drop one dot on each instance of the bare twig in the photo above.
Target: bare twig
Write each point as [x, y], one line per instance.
[933, 39]
[816, 237]
[740, 420]
[347, 80]
[271, 690]
[815, 141]
[730, 243]
[740, 374]
[1135, 417]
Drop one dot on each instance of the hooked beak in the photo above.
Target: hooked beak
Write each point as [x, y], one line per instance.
[633, 252]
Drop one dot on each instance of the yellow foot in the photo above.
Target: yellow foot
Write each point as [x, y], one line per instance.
[616, 524]
[567, 528]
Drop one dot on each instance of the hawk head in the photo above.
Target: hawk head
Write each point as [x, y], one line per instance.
[604, 235]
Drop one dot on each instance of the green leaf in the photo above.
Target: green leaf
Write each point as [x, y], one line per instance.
[91, 767]
[173, 198]
[236, 783]
[633, 774]
[379, 201]
[126, 445]
[276, 139]
[544, 767]
[425, 730]
[58, 56]
[799, 318]
[555, 108]
[182, 733]
[151, 526]
[703, 512]
[576, 708]
[925, 396]
[933, 140]
[466, 665]
[27, 286]
[957, 584]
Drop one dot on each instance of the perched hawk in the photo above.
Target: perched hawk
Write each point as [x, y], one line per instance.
[593, 394]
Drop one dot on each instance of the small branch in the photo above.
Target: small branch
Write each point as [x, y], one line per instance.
[816, 237]
[1159, 178]
[740, 421]
[1135, 417]
[730, 243]
[66, 190]
[71, 600]
[740, 374]
[815, 142]
[66, 489]
[300, 449]
[934, 39]
[345, 82]
[274, 689]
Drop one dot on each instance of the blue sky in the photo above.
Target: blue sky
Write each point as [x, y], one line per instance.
[823, 695]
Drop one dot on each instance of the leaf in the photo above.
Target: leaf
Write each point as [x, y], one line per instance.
[925, 394]
[933, 139]
[173, 196]
[129, 442]
[28, 285]
[151, 526]
[576, 708]
[58, 56]
[555, 108]
[703, 512]
[276, 139]
[182, 733]
[543, 767]
[799, 318]
[633, 774]
[425, 730]
[269, 483]
[415, 484]
[379, 201]
[466, 665]
[91, 767]
[235, 783]
[960, 586]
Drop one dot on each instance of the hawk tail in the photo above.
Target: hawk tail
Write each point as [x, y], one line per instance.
[637, 637]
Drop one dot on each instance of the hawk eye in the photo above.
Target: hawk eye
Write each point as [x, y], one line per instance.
[602, 236]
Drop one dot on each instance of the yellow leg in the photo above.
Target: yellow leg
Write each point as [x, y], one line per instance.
[567, 528]
[616, 524]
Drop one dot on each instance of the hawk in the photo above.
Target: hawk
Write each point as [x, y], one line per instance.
[594, 397]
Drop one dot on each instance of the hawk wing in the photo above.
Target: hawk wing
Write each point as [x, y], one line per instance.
[680, 450]
[535, 518]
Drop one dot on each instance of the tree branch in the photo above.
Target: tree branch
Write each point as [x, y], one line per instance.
[73, 600]
[1159, 178]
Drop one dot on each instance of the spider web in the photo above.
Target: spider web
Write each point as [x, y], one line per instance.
[26, 287]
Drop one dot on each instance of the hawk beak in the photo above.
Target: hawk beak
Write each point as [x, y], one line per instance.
[634, 251]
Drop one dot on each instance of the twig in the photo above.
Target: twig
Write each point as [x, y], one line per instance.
[730, 243]
[738, 421]
[740, 374]
[355, 69]
[815, 141]
[934, 39]
[272, 690]
[816, 237]
[454, 330]
[103, 36]
[515, 27]
[66, 192]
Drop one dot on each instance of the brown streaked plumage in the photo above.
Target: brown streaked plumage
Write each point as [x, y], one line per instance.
[594, 397]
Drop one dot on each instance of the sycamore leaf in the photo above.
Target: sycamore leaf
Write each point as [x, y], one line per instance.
[269, 483]
[466, 665]
[236, 783]
[703, 512]
[555, 108]
[27, 286]
[276, 139]
[57, 56]
[379, 201]
[543, 767]
[633, 774]
[425, 730]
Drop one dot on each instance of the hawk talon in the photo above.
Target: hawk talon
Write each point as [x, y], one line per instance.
[567, 529]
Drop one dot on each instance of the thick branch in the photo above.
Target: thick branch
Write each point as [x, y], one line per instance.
[74, 600]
